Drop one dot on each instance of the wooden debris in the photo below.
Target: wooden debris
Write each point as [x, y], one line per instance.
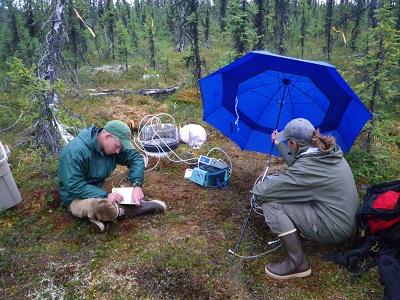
[146, 92]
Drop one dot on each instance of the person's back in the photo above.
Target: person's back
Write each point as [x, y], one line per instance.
[328, 177]
[94, 167]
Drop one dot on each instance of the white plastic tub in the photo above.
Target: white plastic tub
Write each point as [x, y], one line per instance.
[9, 193]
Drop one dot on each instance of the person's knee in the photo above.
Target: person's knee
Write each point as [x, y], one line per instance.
[276, 218]
[272, 210]
[81, 208]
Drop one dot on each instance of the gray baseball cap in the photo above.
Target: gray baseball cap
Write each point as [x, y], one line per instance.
[299, 130]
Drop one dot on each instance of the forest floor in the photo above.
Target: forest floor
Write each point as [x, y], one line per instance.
[45, 253]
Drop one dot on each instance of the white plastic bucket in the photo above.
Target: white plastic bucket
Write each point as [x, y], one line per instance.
[9, 193]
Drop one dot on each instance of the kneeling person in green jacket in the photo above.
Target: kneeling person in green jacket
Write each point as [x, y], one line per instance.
[316, 195]
[85, 175]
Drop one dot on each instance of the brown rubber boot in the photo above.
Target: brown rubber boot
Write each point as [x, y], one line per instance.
[296, 265]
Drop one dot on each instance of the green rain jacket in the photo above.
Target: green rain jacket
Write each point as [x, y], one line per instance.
[321, 178]
[83, 167]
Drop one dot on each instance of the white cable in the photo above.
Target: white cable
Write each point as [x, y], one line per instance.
[145, 156]
[237, 113]
[253, 203]
[156, 139]
[187, 161]
[230, 251]
[140, 147]
[230, 168]
[154, 120]
[155, 166]
[226, 155]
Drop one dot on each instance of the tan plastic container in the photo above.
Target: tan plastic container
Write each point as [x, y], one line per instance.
[9, 193]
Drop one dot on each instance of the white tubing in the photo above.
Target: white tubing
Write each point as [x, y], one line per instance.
[154, 120]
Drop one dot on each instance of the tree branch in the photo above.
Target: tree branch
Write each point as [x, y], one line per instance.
[15, 123]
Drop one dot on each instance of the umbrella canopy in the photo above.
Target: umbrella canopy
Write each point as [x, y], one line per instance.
[259, 92]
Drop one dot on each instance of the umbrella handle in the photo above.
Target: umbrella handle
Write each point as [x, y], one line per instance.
[269, 160]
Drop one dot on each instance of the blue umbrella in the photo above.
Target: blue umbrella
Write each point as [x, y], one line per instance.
[261, 91]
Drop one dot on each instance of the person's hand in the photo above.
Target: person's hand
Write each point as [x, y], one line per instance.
[273, 136]
[114, 198]
[137, 196]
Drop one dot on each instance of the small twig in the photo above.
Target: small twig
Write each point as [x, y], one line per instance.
[29, 128]
[73, 72]
[15, 123]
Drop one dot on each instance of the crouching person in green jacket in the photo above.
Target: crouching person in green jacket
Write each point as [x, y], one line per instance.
[86, 178]
[316, 196]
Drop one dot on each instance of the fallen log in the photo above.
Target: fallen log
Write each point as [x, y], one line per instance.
[146, 92]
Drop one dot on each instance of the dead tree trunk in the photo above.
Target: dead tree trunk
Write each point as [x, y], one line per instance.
[72, 34]
[355, 32]
[328, 24]
[49, 130]
[281, 21]
[303, 26]
[375, 89]
[180, 39]
[207, 25]
[111, 26]
[145, 92]
[152, 47]
[372, 6]
[222, 11]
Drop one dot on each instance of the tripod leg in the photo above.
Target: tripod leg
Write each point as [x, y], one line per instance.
[244, 227]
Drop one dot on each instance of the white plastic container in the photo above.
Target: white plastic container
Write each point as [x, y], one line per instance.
[9, 193]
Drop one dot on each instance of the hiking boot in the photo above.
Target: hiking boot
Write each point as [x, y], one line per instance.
[147, 207]
[296, 265]
[99, 224]
[104, 211]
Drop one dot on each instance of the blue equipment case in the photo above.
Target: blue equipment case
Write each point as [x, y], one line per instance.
[209, 176]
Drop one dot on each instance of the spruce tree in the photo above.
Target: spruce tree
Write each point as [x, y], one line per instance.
[380, 67]
[110, 25]
[123, 45]
[242, 33]
[355, 32]
[344, 10]
[259, 24]
[192, 23]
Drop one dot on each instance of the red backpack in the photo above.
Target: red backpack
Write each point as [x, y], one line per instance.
[380, 208]
[379, 217]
